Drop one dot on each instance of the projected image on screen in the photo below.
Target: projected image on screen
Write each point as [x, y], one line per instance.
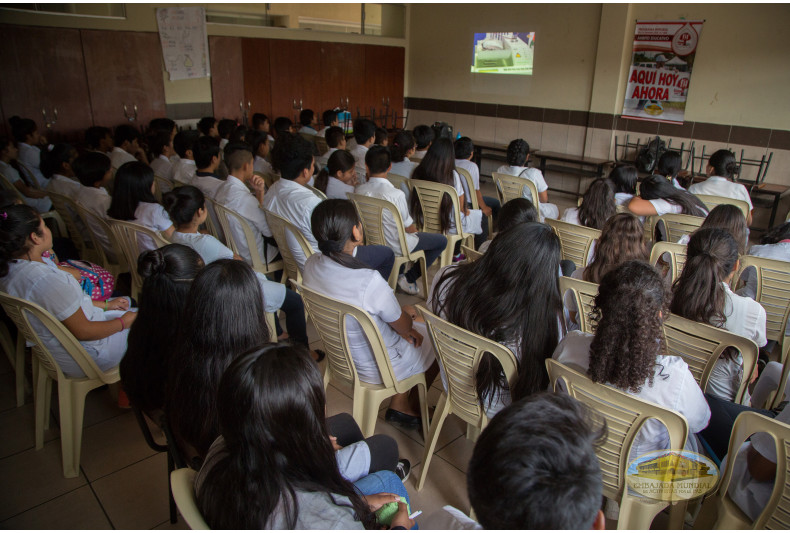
[503, 53]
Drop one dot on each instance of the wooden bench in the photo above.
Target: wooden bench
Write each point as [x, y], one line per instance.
[488, 150]
[595, 166]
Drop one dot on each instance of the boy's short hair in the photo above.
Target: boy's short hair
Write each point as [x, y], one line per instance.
[184, 140]
[225, 127]
[464, 147]
[329, 116]
[378, 159]
[204, 150]
[306, 117]
[95, 134]
[381, 135]
[158, 142]
[535, 467]
[282, 125]
[364, 129]
[334, 135]
[423, 136]
[291, 155]
[161, 124]
[237, 155]
[205, 124]
[124, 133]
[91, 167]
[258, 119]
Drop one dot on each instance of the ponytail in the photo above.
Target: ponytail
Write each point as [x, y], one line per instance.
[332, 222]
[401, 145]
[723, 163]
[182, 204]
[339, 161]
[17, 222]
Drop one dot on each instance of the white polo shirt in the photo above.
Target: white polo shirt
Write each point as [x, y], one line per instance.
[404, 168]
[337, 189]
[295, 204]
[474, 172]
[119, 156]
[163, 167]
[62, 185]
[185, 171]
[97, 201]
[235, 195]
[30, 157]
[209, 185]
[382, 188]
[153, 217]
[719, 186]
[359, 152]
[261, 165]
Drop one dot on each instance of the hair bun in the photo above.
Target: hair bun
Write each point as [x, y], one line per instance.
[329, 247]
[151, 263]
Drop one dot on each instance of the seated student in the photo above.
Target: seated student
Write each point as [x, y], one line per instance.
[729, 218]
[382, 137]
[423, 138]
[464, 151]
[535, 467]
[775, 244]
[167, 275]
[168, 126]
[29, 142]
[623, 179]
[308, 122]
[293, 158]
[514, 212]
[94, 172]
[284, 125]
[702, 293]
[183, 145]
[161, 145]
[439, 166]
[337, 273]
[516, 283]
[22, 180]
[517, 159]
[669, 166]
[239, 134]
[133, 200]
[657, 196]
[56, 161]
[721, 171]
[207, 126]
[24, 273]
[225, 129]
[625, 354]
[402, 148]
[335, 140]
[339, 176]
[99, 139]
[259, 141]
[329, 119]
[127, 147]
[205, 151]
[597, 206]
[275, 464]
[365, 135]
[377, 163]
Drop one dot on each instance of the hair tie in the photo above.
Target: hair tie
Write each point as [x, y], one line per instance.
[4, 215]
[50, 147]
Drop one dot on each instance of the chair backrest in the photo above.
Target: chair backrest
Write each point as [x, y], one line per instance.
[773, 292]
[331, 318]
[583, 293]
[470, 186]
[182, 483]
[128, 235]
[67, 209]
[371, 211]
[510, 187]
[281, 227]
[711, 201]
[227, 219]
[677, 256]
[162, 185]
[679, 225]
[93, 221]
[400, 182]
[430, 195]
[575, 240]
[212, 221]
[625, 415]
[8, 186]
[649, 227]
[320, 143]
[700, 346]
[459, 352]
[317, 192]
[470, 253]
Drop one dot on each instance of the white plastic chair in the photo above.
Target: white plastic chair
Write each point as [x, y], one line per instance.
[281, 227]
[430, 195]
[575, 240]
[182, 484]
[128, 235]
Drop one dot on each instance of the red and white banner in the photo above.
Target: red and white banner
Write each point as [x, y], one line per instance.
[660, 74]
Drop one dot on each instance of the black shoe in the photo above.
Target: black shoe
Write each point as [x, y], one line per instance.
[402, 419]
[403, 469]
[321, 355]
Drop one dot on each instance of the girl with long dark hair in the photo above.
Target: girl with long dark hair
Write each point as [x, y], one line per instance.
[669, 166]
[623, 180]
[657, 196]
[721, 171]
[597, 206]
[56, 165]
[729, 218]
[514, 212]
[403, 146]
[339, 176]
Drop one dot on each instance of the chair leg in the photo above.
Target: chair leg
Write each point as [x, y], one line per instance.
[72, 410]
[393, 281]
[433, 436]
[422, 392]
[424, 277]
[170, 467]
[19, 369]
[42, 389]
[370, 412]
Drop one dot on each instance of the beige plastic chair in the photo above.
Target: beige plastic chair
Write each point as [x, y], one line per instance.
[128, 235]
[400, 182]
[162, 185]
[430, 195]
[212, 221]
[700, 346]
[317, 192]
[583, 293]
[71, 391]
[320, 143]
[773, 293]
[114, 264]
[720, 512]
[467, 177]
[67, 209]
[281, 227]
[268, 179]
[679, 225]
[470, 253]
[15, 351]
[331, 318]
[625, 415]
[182, 484]
[649, 227]
[711, 201]
[575, 240]
[509, 187]
[459, 352]
[676, 253]
[371, 212]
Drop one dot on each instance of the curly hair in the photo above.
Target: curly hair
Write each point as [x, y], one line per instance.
[598, 205]
[517, 152]
[622, 239]
[629, 335]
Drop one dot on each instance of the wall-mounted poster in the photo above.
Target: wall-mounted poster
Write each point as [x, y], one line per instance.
[661, 65]
[182, 31]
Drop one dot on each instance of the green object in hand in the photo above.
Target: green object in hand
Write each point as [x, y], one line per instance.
[387, 512]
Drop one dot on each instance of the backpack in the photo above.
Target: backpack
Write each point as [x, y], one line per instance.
[442, 129]
[96, 281]
[648, 156]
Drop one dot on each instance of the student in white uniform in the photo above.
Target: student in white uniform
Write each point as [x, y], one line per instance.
[29, 141]
[339, 177]
[517, 159]
[775, 244]
[99, 139]
[464, 152]
[702, 293]
[259, 141]
[225, 129]
[27, 185]
[623, 179]
[729, 218]
[56, 165]
[133, 200]
[514, 212]
[721, 171]
[365, 135]
[377, 162]
[401, 149]
[423, 138]
[206, 154]
[657, 196]
[127, 147]
[598, 205]
[669, 166]
[329, 119]
[308, 122]
[335, 140]
[25, 274]
[337, 273]
[161, 145]
[169, 126]
[207, 126]
[94, 172]
[183, 144]
[632, 298]
[511, 295]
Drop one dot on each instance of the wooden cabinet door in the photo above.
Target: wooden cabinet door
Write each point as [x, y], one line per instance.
[384, 66]
[44, 68]
[124, 67]
[227, 76]
[295, 68]
[341, 66]
[257, 79]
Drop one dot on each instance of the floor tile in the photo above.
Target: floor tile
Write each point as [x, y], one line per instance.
[445, 485]
[459, 452]
[112, 445]
[100, 405]
[77, 509]
[337, 402]
[178, 525]
[7, 391]
[18, 427]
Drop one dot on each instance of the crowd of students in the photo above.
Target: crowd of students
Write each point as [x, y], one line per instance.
[195, 351]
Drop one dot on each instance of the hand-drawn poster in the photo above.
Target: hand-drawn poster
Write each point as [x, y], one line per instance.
[182, 31]
[661, 65]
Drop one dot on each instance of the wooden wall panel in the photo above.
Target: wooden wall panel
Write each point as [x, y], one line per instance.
[257, 78]
[295, 68]
[341, 65]
[384, 67]
[227, 76]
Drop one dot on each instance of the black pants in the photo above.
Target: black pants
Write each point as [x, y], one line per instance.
[722, 418]
[383, 448]
[377, 257]
[294, 318]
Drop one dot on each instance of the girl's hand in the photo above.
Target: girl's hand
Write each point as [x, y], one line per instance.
[414, 338]
[375, 501]
[257, 183]
[128, 319]
[117, 304]
[335, 445]
[411, 311]
[401, 518]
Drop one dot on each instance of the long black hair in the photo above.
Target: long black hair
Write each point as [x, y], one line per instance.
[271, 405]
[724, 164]
[658, 187]
[17, 222]
[224, 317]
[598, 204]
[133, 182]
[332, 222]
[777, 234]
[623, 178]
[182, 203]
[669, 164]
[167, 275]
[401, 144]
[510, 295]
[52, 160]
[438, 166]
[339, 161]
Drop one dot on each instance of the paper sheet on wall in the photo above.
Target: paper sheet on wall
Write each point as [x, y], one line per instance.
[182, 31]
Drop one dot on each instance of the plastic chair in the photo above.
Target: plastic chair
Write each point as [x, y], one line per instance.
[71, 391]
[15, 351]
[281, 228]
[711, 201]
[676, 253]
[115, 263]
[128, 235]
[401, 182]
[473, 196]
[182, 484]
[649, 227]
[317, 192]
[700, 346]
[330, 318]
[773, 293]
[212, 221]
[430, 195]
[720, 512]
[268, 179]
[575, 240]
[679, 225]
[470, 253]
[67, 209]
[162, 185]
[584, 293]
[625, 415]
[509, 187]
[459, 352]
[372, 212]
